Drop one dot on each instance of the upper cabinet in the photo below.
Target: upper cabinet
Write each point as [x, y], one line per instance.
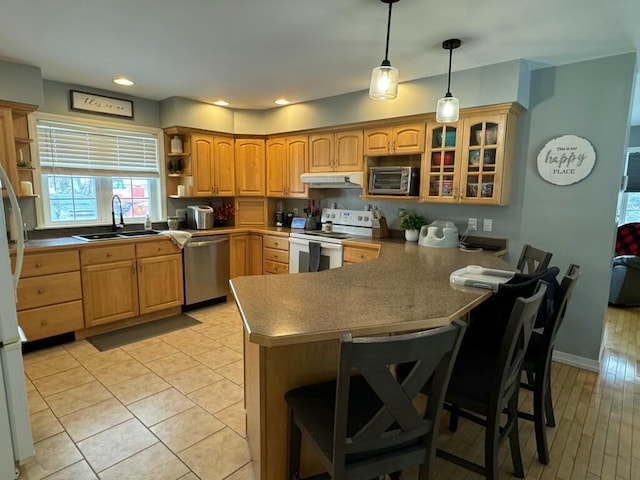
[287, 159]
[15, 145]
[471, 161]
[250, 167]
[199, 164]
[400, 139]
[339, 151]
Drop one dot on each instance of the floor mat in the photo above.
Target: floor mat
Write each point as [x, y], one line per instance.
[125, 336]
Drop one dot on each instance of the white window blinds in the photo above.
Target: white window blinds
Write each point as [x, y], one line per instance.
[68, 148]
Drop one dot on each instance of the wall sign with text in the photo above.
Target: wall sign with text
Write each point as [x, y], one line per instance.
[89, 102]
[566, 160]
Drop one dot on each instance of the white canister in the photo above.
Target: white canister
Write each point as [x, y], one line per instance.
[26, 188]
[176, 144]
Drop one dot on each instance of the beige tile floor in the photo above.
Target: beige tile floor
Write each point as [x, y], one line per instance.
[171, 408]
[165, 408]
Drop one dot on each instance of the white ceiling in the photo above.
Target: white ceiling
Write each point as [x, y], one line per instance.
[251, 51]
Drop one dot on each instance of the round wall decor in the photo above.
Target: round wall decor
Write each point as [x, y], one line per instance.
[566, 160]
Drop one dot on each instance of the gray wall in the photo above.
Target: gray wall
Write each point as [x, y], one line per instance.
[634, 135]
[21, 83]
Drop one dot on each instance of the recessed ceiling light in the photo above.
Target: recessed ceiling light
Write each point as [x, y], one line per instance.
[123, 81]
[221, 103]
[281, 101]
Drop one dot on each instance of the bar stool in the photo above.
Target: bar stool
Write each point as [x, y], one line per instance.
[533, 260]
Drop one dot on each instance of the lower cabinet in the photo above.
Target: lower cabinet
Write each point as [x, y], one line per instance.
[159, 276]
[275, 254]
[246, 255]
[109, 284]
[50, 294]
[255, 254]
[359, 253]
[125, 281]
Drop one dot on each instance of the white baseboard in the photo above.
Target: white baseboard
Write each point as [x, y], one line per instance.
[576, 361]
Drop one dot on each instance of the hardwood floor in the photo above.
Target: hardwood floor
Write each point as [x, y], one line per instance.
[597, 433]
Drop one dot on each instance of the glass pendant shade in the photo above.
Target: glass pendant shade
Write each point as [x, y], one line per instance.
[384, 83]
[448, 109]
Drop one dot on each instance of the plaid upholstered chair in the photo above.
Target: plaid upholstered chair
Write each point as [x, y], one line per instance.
[625, 278]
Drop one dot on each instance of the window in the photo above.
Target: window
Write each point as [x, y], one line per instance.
[84, 164]
[630, 197]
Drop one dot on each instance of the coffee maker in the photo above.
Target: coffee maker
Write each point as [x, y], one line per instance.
[280, 215]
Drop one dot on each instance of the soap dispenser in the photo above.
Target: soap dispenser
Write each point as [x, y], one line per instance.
[147, 223]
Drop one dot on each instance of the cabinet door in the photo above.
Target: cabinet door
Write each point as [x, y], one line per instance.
[441, 175]
[408, 138]
[7, 148]
[276, 167]
[377, 141]
[224, 167]
[250, 167]
[255, 255]
[483, 165]
[296, 165]
[109, 292]
[160, 283]
[348, 151]
[238, 253]
[321, 157]
[202, 164]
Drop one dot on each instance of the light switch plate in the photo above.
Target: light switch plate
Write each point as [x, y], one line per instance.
[487, 224]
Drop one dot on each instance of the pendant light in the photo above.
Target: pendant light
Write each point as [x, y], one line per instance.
[448, 108]
[384, 79]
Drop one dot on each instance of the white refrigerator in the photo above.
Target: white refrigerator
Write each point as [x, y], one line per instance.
[16, 440]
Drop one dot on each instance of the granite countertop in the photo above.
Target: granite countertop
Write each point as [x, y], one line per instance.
[407, 288]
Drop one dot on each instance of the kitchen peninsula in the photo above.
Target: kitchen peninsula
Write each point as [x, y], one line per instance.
[293, 324]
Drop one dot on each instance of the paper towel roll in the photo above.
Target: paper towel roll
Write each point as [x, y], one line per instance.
[26, 188]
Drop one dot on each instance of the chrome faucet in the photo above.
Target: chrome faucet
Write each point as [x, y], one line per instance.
[114, 226]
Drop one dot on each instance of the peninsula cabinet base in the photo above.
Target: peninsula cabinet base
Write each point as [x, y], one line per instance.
[269, 373]
[129, 322]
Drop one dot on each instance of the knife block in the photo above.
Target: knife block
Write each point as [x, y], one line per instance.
[380, 230]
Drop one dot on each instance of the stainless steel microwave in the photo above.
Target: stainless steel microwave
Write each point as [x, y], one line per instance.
[394, 180]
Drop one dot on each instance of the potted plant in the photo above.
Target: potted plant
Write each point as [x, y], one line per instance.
[411, 224]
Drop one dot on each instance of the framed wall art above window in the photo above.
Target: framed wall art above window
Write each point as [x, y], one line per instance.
[92, 103]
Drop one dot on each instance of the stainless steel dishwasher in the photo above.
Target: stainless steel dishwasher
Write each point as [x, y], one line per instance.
[206, 269]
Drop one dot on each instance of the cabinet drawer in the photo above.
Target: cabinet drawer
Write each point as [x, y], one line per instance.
[276, 255]
[47, 263]
[275, 267]
[355, 254]
[49, 290]
[93, 256]
[154, 249]
[53, 320]
[280, 243]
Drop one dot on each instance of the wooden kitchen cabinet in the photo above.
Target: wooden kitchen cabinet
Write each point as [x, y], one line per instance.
[250, 212]
[275, 254]
[159, 276]
[356, 253]
[212, 165]
[250, 167]
[15, 144]
[395, 139]
[178, 164]
[339, 151]
[50, 294]
[471, 161]
[287, 159]
[245, 251]
[109, 284]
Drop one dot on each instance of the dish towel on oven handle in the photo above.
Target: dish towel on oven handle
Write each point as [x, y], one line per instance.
[314, 256]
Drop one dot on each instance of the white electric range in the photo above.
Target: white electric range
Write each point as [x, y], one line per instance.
[325, 251]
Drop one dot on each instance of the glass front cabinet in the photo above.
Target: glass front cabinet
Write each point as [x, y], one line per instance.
[470, 161]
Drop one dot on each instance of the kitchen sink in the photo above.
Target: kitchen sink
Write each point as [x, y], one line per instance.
[94, 237]
[138, 233]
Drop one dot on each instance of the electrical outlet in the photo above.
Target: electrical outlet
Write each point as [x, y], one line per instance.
[181, 213]
[295, 212]
[472, 224]
[487, 224]
[401, 212]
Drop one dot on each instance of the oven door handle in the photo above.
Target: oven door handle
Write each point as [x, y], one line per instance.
[330, 246]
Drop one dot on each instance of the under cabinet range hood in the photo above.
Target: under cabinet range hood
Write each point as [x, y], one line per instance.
[333, 180]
